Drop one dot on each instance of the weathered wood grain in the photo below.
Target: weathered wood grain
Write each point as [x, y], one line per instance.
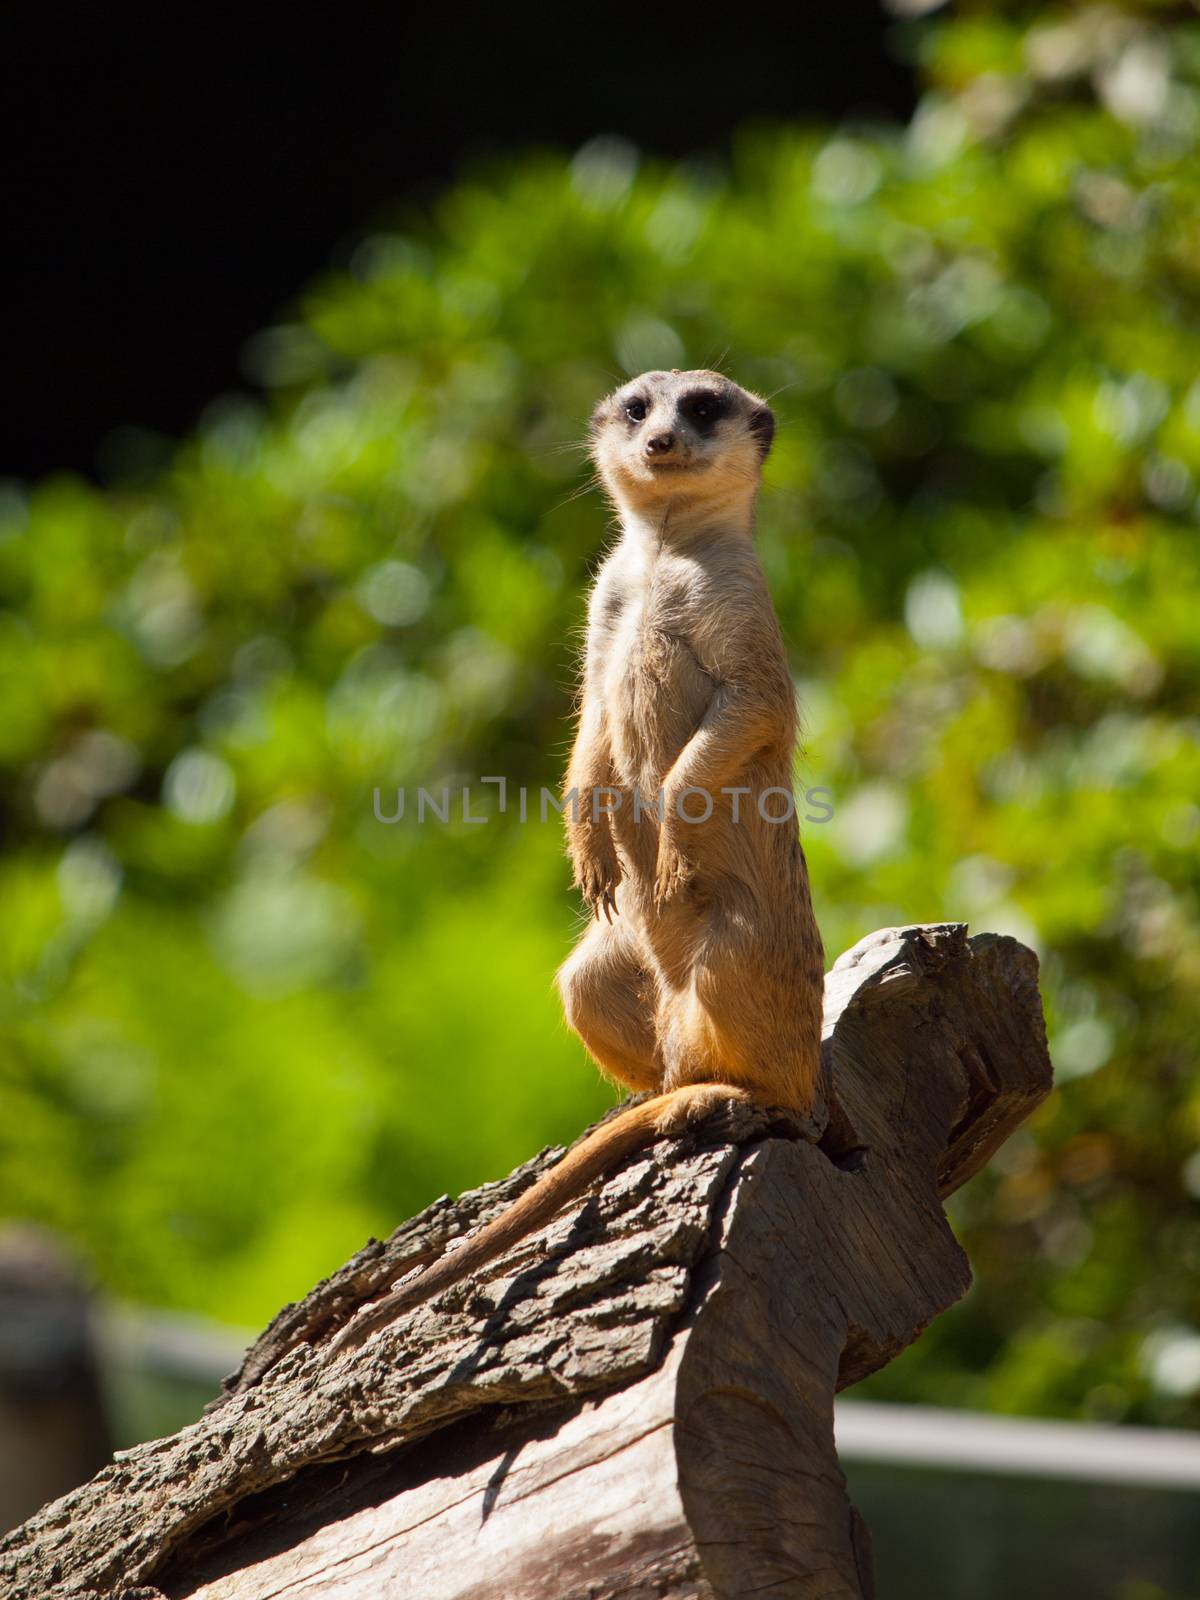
[635, 1402]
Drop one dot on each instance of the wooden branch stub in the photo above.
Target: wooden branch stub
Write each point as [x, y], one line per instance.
[637, 1401]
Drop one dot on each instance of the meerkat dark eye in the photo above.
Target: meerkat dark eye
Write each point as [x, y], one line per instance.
[635, 410]
[703, 411]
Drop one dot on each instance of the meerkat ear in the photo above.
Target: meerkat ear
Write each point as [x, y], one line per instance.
[762, 426]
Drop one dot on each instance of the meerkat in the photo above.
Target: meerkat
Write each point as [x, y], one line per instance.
[700, 975]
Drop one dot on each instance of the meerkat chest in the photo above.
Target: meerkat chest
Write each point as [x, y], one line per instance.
[657, 686]
[657, 636]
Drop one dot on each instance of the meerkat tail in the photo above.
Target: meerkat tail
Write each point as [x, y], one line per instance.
[664, 1115]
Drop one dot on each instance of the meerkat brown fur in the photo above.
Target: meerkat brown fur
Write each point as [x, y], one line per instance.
[700, 975]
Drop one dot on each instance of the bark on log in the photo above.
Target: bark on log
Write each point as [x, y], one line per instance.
[637, 1401]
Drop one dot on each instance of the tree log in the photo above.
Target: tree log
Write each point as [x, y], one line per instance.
[638, 1400]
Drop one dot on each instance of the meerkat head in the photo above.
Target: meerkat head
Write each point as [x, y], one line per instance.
[681, 438]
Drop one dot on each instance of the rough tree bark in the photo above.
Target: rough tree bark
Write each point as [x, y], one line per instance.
[636, 1402]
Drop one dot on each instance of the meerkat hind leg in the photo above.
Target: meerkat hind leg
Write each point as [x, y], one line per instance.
[691, 1103]
[607, 995]
[735, 1021]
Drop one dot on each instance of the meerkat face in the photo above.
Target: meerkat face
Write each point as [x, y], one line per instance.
[671, 436]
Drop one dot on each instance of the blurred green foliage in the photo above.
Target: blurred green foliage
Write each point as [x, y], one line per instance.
[245, 1023]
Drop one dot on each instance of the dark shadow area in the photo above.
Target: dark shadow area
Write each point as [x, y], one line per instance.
[166, 194]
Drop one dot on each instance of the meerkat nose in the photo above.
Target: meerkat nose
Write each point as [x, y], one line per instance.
[659, 443]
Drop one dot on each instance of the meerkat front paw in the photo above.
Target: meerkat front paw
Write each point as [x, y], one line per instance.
[598, 876]
[674, 871]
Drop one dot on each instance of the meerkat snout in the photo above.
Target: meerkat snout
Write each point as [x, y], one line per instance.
[659, 444]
